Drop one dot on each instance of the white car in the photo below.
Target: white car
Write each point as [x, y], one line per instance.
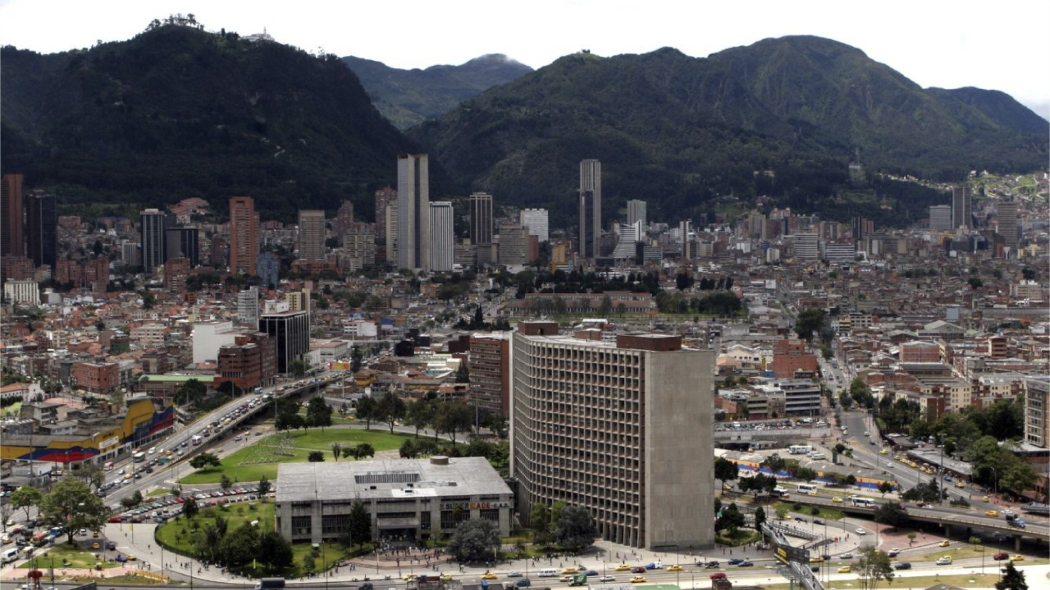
[946, 560]
[861, 531]
[607, 579]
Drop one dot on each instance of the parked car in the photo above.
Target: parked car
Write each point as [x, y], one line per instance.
[904, 565]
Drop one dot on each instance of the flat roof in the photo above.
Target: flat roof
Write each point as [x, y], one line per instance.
[178, 378]
[388, 479]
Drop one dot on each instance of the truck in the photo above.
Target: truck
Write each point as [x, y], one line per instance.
[579, 580]
[269, 584]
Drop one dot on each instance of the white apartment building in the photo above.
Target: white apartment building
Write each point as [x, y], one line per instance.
[22, 291]
[537, 222]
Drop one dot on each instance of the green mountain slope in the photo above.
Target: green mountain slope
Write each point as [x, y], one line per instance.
[677, 130]
[408, 97]
[178, 112]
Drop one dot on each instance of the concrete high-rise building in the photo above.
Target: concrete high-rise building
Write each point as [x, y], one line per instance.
[25, 291]
[1036, 411]
[390, 225]
[480, 219]
[516, 246]
[490, 371]
[291, 331]
[806, 246]
[636, 213]
[590, 236]
[383, 198]
[962, 215]
[621, 428]
[1009, 228]
[685, 227]
[244, 236]
[629, 236]
[442, 239]
[311, 234]
[12, 216]
[537, 222]
[248, 307]
[41, 230]
[183, 242]
[413, 212]
[359, 245]
[941, 217]
[176, 273]
[152, 237]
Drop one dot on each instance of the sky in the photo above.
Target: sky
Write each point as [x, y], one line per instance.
[1000, 45]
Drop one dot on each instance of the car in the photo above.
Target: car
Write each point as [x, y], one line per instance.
[903, 565]
[565, 579]
[893, 552]
[514, 575]
[607, 579]
[1016, 558]
[861, 531]
[570, 570]
[818, 522]
[837, 500]
[654, 566]
[711, 565]
[944, 543]
[638, 580]
[675, 568]
[446, 577]
[409, 578]
[845, 569]
[735, 561]
[95, 546]
[590, 573]
[637, 570]
[111, 545]
[523, 583]
[366, 586]
[846, 555]
[745, 564]
[489, 576]
[944, 560]
[816, 559]
[992, 513]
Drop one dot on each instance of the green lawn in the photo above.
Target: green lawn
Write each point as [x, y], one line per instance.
[825, 513]
[67, 556]
[742, 537]
[261, 459]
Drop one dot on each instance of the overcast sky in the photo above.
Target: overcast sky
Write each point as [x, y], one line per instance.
[1001, 45]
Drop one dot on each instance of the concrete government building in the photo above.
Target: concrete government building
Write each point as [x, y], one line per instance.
[621, 428]
[408, 499]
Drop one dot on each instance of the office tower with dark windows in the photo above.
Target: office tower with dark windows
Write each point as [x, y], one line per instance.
[151, 231]
[962, 215]
[480, 219]
[413, 212]
[442, 240]
[183, 242]
[1009, 228]
[12, 216]
[41, 230]
[311, 234]
[291, 331]
[244, 236]
[622, 428]
[636, 213]
[590, 208]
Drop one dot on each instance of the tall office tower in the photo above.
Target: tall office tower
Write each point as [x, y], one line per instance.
[962, 216]
[537, 222]
[806, 246]
[12, 216]
[940, 217]
[244, 236]
[383, 197]
[1008, 226]
[390, 226]
[413, 212]
[183, 242]
[490, 371]
[311, 234]
[480, 219]
[621, 428]
[152, 237]
[590, 208]
[442, 240]
[248, 307]
[685, 227]
[636, 212]
[862, 228]
[291, 331]
[42, 230]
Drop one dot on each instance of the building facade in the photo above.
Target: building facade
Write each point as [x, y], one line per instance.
[442, 239]
[490, 372]
[12, 216]
[26, 291]
[413, 212]
[311, 234]
[41, 230]
[941, 217]
[590, 211]
[480, 218]
[636, 212]
[244, 236]
[962, 215]
[291, 333]
[622, 429]
[152, 238]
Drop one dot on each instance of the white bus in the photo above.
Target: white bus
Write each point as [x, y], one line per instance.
[548, 573]
[196, 440]
[807, 489]
[800, 449]
[139, 457]
[862, 501]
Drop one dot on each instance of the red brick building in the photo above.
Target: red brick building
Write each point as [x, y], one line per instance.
[920, 352]
[490, 372]
[250, 362]
[790, 357]
[176, 271]
[96, 377]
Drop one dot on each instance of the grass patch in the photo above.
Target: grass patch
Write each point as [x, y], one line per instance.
[159, 492]
[740, 537]
[67, 556]
[261, 459]
[825, 513]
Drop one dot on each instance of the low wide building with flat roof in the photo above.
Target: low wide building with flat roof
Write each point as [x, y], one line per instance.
[408, 499]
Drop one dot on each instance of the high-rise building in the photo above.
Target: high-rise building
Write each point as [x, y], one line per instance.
[1036, 411]
[383, 197]
[516, 246]
[537, 222]
[311, 234]
[176, 272]
[42, 230]
[480, 218]
[25, 291]
[390, 225]
[941, 217]
[268, 268]
[629, 236]
[244, 236]
[1009, 228]
[183, 242]
[413, 212]
[359, 245]
[291, 331]
[621, 428]
[490, 371]
[806, 246]
[343, 218]
[152, 237]
[685, 228]
[862, 228]
[442, 239]
[962, 216]
[12, 216]
[590, 208]
[636, 213]
[248, 307]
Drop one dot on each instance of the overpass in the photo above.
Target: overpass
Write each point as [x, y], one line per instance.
[1037, 531]
[767, 438]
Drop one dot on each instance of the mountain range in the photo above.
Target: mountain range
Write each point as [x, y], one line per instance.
[177, 112]
[409, 97]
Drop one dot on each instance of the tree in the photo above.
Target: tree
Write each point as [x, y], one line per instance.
[337, 449]
[886, 487]
[873, 567]
[574, 530]
[91, 474]
[782, 512]
[891, 513]
[297, 368]
[225, 482]
[911, 538]
[810, 321]
[240, 547]
[683, 281]
[264, 486]
[453, 417]
[315, 457]
[72, 504]
[132, 500]
[419, 414]
[190, 392]
[391, 408]
[540, 522]
[730, 518]
[366, 410]
[463, 373]
[189, 507]
[725, 471]
[760, 517]
[358, 526]
[25, 498]
[362, 450]
[975, 283]
[1012, 579]
[274, 553]
[474, 541]
[355, 358]
[318, 412]
[204, 459]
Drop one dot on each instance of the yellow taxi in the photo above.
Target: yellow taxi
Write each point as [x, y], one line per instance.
[837, 500]
[1016, 558]
[845, 569]
[817, 559]
[96, 546]
[638, 580]
[446, 577]
[569, 570]
[959, 484]
[489, 576]
[985, 499]
[944, 543]
[623, 567]
[884, 452]
[409, 577]
[992, 513]
[675, 568]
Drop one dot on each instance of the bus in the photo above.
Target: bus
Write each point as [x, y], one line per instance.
[196, 440]
[862, 501]
[800, 449]
[548, 573]
[807, 489]
[139, 457]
